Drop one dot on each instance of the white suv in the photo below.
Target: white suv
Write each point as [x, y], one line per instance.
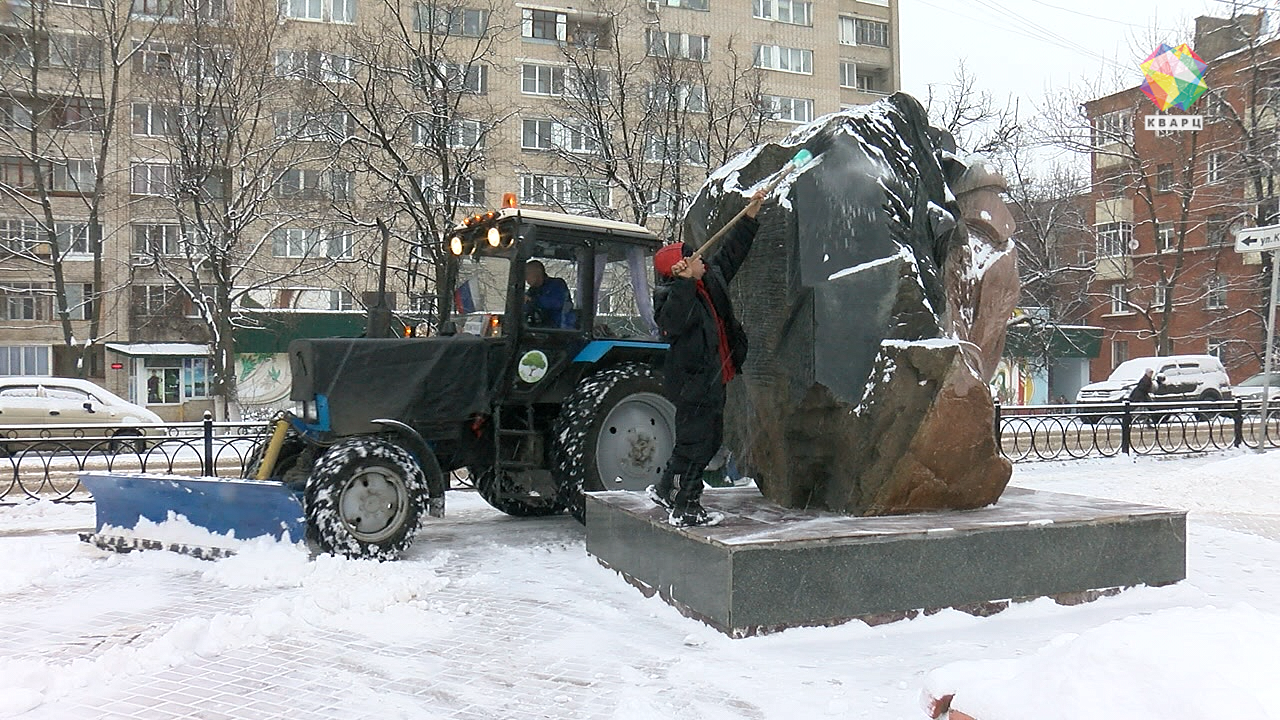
[1178, 378]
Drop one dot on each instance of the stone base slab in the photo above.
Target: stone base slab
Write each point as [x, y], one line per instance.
[767, 568]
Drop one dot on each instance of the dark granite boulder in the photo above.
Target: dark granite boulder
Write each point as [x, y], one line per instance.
[885, 243]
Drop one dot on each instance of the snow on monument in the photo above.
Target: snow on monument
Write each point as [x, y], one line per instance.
[875, 301]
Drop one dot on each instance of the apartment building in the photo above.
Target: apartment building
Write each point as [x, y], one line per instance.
[214, 168]
[1165, 206]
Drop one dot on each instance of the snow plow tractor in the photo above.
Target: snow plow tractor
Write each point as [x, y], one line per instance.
[558, 394]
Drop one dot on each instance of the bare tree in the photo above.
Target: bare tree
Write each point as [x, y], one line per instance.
[419, 103]
[643, 112]
[240, 164]
[973, 117]
[61, 91]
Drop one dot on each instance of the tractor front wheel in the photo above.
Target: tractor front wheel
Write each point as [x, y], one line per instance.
[364, 498]
[615, 431]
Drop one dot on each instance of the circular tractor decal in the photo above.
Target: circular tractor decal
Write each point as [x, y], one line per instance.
[533, 366]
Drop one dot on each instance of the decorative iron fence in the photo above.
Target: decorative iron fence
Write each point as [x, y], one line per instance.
[43, 461]
[1067, 432]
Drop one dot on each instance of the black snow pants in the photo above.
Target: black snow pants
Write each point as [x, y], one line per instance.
[699, 435]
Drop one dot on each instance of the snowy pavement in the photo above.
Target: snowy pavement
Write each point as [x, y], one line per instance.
[496, 617]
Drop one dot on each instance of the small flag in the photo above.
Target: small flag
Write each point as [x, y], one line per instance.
[462, 300]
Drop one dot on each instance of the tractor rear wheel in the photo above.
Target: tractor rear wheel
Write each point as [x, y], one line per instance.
[522, 505]
[615, 431]
[364, 499]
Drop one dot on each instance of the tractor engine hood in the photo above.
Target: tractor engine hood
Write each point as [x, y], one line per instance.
[416, 380]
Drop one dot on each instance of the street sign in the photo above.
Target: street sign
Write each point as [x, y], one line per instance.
[1258, 239]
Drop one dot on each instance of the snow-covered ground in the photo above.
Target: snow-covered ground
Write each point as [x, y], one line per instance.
[495, 617]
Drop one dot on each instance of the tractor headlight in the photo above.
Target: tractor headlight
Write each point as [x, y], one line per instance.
[455, 245]
[495, 237]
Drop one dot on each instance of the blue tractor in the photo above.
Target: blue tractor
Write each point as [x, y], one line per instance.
[549, 389]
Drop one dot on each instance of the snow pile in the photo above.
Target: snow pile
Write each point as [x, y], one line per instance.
[44, 515]
[1179, 664]
[24, 567]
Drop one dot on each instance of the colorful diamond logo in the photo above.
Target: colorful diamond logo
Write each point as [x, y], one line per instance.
[1175, 77]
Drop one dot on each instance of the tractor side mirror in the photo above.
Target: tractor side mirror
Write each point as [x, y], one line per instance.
[1160, 378]
[448, 328]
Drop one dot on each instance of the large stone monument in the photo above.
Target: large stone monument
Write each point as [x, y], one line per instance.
[875, 301]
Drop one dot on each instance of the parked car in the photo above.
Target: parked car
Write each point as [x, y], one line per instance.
[1179, 378]
[1251, 390]
[68, 402]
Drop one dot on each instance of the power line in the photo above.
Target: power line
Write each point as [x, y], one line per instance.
[1094, 17]
[1040, 32]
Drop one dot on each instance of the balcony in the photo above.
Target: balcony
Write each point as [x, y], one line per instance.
[1113, 268]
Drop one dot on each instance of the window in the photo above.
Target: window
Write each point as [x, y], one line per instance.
[158, 239]
[314, 126]
[1113, 127]
[17, 173]
[678, 96]
[1159, 295]
[14, 114]
[25, 300]
[563, 191]
[78, 3]
[456, 21]
[158, 8]
[24, 360]
[77, 239]
[1119, 352]
[341, 300]
[542, 80]
[794, 12]
[1216, 229]
[1215, 105]
[1217, 347]
[1213, 168]
[469, 191]
[784, 59]
[154, 120]
[1114, 239]
[1119, 295]
[871, 81]
[466, 134]
[1164, 177]
[1166, 237]
[861, 31]
[18, 235]
[73, 176]
[324, 10]
[314, 65]
[848, 74]
[787, 109]
[1216, 292]
[670, 150]
[455, 77]
[153, 58]
[312, 243]
[682, 46]
[304, 184]
[546, 25]
[159, 300]
[542, 134]
[148, 178]
[76, 114]
[588, 85]
[74, 51]
[79, 300]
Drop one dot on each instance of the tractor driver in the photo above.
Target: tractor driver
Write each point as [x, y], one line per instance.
[546, 301]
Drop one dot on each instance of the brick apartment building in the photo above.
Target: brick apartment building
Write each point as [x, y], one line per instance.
[1164, 207]
[304, 218]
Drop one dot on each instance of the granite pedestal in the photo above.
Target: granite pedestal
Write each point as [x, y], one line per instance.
[767, 567]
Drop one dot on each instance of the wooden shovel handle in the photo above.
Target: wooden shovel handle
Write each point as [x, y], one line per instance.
[773, 185]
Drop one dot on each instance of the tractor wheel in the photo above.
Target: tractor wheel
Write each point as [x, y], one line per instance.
[615, 432]
[527, 506]
[364, 498]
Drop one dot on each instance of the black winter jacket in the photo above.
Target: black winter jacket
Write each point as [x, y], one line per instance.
[693, 364]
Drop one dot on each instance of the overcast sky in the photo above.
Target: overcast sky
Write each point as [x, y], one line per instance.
[1026, 48]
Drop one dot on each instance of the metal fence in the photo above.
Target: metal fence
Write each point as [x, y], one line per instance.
[43, 461]
[1067, 432]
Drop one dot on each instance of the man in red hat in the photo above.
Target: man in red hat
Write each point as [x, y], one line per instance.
[708, 346]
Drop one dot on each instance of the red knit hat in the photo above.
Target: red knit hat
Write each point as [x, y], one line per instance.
[668, 256]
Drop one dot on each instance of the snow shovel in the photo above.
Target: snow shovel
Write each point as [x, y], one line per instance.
[223, 511]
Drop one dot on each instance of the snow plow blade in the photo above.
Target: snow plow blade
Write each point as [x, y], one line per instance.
[233, 508]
